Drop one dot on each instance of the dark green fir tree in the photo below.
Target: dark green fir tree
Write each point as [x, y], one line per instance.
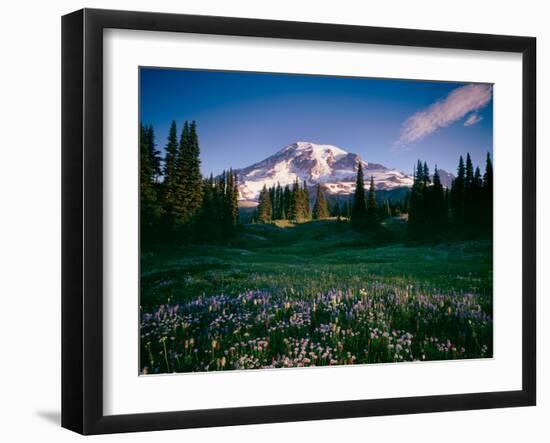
[417, 215]
[487, 193]
[170, 172]
[372, 220]
[359, 206]
[458, 194]
[320, 209]
[264, 206]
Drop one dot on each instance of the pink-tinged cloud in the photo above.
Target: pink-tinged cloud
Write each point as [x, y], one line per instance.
[442, 113]
[473, 119]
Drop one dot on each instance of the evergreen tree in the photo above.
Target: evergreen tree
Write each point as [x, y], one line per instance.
[279, 204]
[437, 212]
[470, 209]
[417, 216]
[264, 206]
[150, 209]
[425, 174]
[232, 204]
[273, 199]
[458, 194]
[306, 208]
[487, 194]
[220, 201]
[218, 215]
[372, 220]
[478, 181]
[287, 207]
[154, 154]
[476, 202]
[469, 181]
[299, 209]
[188, 182]
[295, 201]
[182, 214]
[359, 208]
[145, 166]
[170, 171]
[320, 209]
[235, 203]
[209, 227]
[195, 176]
[431, 205]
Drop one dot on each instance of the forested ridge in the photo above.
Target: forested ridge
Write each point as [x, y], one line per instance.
[177, 202]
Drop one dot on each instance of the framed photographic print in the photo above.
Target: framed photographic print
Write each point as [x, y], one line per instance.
[269, 221]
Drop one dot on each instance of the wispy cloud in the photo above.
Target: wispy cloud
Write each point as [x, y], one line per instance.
[473, 119]
[442, 113]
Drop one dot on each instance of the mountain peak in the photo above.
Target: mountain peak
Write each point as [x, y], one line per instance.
[301, 146]
[332, 167]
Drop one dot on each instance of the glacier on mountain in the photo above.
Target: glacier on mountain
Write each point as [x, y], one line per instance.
[334, 168]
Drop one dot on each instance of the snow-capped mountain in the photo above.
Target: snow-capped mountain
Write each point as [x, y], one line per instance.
[329, 165]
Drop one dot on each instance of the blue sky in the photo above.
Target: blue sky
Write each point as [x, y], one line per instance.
[244, 117]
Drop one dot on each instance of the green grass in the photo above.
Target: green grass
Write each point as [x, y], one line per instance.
[310, 257]
[313, 294]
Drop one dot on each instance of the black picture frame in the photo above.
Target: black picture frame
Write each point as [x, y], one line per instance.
[82, 218]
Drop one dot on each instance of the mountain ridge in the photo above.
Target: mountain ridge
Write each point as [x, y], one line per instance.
[332, 167]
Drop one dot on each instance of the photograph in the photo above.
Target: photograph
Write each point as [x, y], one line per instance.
[300, 221]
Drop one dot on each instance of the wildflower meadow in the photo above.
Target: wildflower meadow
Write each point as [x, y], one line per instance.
[280, 303]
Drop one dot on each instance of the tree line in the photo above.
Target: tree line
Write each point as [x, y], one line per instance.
[467, 207]
[175, 199]
[365, 214]
[295, 204]
[286, 203]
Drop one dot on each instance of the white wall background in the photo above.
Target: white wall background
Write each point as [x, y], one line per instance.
[30, 95]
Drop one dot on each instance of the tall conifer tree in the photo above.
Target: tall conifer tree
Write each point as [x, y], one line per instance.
[469, 181]
[230, 209]
[438, 214]
[208, 227]
[234, 199]
[273, 200]
[488, 194]
[295, 201]
[287, 198]
[170, 171]
[372, 220]
[279, 202]
[417, 215]
[154, 154]
[264, 206]
[359, 207]
[195, 176]
[320, 209]
[181, 207]
[306, 208]
[425, 174]
[476, 211]
[469, 208]
[458, 194]
[150, 209]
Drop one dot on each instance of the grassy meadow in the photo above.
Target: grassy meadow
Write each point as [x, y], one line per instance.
[314, 294]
